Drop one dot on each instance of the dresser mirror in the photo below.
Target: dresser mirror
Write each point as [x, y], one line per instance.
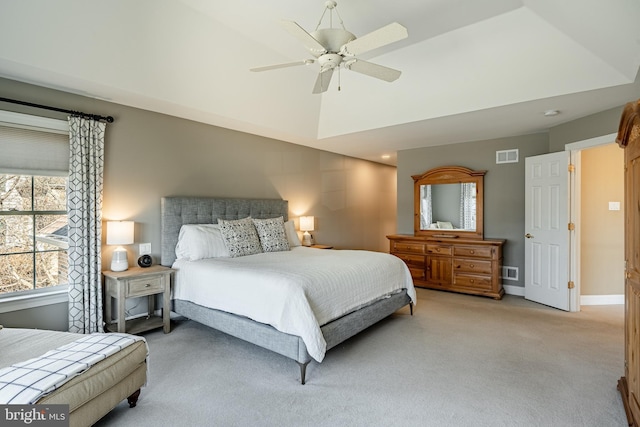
[448, 203]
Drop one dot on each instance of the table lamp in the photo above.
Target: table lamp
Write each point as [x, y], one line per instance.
[306, 225]
[119, 233]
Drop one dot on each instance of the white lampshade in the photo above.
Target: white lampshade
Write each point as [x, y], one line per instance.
[307, 223]
[119, 233]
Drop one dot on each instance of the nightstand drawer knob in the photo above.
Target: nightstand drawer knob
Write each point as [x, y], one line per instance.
[147, 285]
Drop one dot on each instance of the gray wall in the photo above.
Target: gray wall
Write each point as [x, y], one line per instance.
[599, 124]
[150, 155]
[504, 184]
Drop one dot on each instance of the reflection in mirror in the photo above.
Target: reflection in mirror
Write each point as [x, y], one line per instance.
[447, 203]
[448, 206]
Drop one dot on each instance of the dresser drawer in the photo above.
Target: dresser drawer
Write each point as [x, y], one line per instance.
[472, 266]
[439, 249]
[473, 251]
[412, 260]
[413, 247]
[142, 286]
[417, 273]
[472, 281]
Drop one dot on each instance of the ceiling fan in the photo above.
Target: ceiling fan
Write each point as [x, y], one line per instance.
[335, 47]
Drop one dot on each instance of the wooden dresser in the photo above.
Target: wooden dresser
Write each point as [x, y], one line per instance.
[470, 266]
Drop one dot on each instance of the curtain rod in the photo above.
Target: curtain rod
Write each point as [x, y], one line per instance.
[107, 119]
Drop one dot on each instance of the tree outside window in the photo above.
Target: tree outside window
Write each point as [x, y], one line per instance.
[33, 232]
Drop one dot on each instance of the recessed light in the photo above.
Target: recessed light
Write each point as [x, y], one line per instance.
[551, 113]
[386, 156]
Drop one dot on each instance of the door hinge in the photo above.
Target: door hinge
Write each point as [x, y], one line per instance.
[572, 226]
[572, 168]
[571, 284]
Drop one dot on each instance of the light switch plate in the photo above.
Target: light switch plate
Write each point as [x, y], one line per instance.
[614, 206]
[145, 248]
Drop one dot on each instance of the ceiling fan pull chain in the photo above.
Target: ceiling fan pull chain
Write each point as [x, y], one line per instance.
[339, 80]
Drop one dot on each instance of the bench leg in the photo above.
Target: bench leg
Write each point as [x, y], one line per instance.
[133, 399]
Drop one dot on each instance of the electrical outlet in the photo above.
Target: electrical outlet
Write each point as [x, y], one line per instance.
[145, 248]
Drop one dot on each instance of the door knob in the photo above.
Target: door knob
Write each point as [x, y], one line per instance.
[528, 236]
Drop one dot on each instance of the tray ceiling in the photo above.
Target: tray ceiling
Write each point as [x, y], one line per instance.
[470, 70]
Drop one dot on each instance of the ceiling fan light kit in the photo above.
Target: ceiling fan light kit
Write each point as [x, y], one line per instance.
[335, 47]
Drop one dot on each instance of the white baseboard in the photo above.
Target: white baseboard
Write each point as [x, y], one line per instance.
[513, 290]
[584, 299]
[601, 299]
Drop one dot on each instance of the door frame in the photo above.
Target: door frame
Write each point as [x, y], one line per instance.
[575, 149]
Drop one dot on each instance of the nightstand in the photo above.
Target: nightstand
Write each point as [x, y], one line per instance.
[138, 282]
[321, 246]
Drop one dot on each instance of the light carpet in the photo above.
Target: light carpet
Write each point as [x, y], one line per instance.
[459, 361]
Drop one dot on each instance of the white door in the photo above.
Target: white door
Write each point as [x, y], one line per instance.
[547, 229]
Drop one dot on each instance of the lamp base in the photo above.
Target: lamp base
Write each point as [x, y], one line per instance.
[119, 260]
[307, 239]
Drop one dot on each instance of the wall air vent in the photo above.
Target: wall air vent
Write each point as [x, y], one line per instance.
[507, 156]
[509, 273]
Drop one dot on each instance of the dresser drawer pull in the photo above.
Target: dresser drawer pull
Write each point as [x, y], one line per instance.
[471, 265]
[148, 285]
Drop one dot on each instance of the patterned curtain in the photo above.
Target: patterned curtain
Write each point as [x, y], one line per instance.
[425, 208]
[468, 206]
[84, 206]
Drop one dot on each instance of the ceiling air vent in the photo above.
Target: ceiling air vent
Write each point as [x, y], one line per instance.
[507, 156]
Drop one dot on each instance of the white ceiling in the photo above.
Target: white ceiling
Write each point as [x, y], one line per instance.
[471, 70]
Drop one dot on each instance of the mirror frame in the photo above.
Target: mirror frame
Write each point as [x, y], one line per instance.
[450, 175]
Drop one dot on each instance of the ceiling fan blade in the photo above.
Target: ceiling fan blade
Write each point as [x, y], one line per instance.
[307, 39]
[323, 80]
[374, 70]
[288, 64]
[378, 38]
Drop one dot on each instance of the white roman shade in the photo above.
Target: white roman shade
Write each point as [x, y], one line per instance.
[40, 148]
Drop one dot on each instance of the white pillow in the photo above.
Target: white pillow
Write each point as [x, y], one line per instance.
[199, 241]
[292, 235]
[271, 234]
[445, 225]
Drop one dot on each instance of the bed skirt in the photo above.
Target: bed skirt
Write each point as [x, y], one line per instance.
[292, 346]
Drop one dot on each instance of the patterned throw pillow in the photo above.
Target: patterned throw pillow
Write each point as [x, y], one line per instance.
[271, 234]
[240, 237]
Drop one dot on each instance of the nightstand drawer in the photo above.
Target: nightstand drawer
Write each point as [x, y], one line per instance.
[144, 286]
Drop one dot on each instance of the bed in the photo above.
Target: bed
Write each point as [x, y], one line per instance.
[301, 344]
[90, 394]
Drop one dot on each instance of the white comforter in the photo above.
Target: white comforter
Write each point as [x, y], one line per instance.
[295, 291]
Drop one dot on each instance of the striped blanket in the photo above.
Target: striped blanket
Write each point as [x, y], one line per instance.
[26, 382]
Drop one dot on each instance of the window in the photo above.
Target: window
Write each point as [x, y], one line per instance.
[34, 168]
[33, 232]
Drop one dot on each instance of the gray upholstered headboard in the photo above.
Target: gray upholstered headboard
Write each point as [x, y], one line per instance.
[176, 211]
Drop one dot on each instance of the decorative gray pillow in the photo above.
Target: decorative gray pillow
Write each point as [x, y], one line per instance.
[271, 234]
[240, 237]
